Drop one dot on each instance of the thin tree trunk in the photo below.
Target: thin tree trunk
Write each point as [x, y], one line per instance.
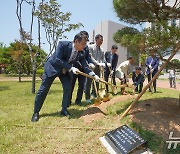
[147, 86]
[19, 72]
[33, 59]
[19, 75]
[34, 75]
[139, 58]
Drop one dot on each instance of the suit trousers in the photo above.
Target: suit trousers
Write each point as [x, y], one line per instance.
[45, 86]
[89, 82]
[149, 79]
[106, 77]
[139, 87]
[81, 83]
[172, 82]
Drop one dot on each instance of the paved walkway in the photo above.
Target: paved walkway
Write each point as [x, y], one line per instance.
[160, 83]
[165, 84]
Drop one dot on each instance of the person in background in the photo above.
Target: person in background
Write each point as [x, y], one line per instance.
[152, 63]
[172, 78]
[122, 72]
[97, 56]
[138, 79]
[111, 58]
[60, 64]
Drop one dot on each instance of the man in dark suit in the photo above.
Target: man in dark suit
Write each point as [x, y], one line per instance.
[60, 64]
[138, 79]
[111, 58]
[152, 63]
[81, 79]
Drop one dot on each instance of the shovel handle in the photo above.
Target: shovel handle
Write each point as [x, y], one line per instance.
[95, 87]
[86, 75]
[91, 77]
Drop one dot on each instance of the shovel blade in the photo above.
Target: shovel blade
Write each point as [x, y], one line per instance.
[114, 90]
[106, 98]
[97, 101]
[102, 93]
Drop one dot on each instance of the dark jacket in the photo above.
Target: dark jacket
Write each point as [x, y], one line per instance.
[137, 79]
[114, 60]
[60, 57]
[87, 58]
[154, 62]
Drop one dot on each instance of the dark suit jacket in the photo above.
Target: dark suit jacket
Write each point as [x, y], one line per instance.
[60, 57]
[114, 60]
[154, 62]
[137, 78]
[87, 57]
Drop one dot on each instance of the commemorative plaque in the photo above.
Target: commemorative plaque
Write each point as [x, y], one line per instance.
[124, 140]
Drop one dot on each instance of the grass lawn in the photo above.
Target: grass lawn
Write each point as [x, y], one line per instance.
[54, 133]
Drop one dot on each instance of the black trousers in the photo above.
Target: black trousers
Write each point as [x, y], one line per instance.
[139, 87]
[106, 77]
[154, 83]
[45, 86]
[89, 83]
[81, 83]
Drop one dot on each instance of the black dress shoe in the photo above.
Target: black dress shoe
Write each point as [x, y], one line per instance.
[35, 117]
[65, 113]
[78, 103]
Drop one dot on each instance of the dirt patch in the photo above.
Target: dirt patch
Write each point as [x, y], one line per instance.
[98, 112]
[161, 116]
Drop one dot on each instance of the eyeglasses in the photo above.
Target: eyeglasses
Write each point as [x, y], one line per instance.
[115, 48]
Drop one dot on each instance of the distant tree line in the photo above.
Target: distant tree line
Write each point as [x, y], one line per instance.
[15, 58]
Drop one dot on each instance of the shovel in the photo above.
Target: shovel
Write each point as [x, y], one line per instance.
[103, 91]
[91, 77]
[97, 100]
[114, 90]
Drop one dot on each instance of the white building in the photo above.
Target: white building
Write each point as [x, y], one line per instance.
[107, 30]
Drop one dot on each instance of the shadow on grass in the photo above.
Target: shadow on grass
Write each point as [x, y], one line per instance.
[3, 88]
[75, 114]
[83, 104]
[55, 114]
[158, 92]
[93, 110]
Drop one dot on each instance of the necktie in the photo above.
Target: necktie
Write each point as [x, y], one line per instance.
[111, 58]
[73, 56]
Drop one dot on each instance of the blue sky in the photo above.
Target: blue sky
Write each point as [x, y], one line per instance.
[88, 12]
